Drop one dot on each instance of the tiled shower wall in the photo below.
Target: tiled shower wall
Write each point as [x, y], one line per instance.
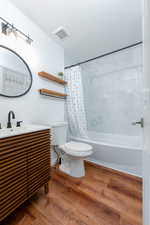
[112, 92]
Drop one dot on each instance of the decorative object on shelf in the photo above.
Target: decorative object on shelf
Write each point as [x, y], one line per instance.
[52, 77]
[53, 94]
[15, 74]
[8, 28]
[61, 74]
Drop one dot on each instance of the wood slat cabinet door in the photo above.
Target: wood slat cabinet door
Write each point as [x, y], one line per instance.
[13, 175]
[24, 168]
[39, 161]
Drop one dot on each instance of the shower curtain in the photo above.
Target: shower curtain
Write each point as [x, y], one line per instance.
[75, 103]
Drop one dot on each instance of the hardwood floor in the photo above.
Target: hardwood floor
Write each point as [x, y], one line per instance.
[103, 197]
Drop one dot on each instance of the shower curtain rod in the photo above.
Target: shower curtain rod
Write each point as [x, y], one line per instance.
[109, 53]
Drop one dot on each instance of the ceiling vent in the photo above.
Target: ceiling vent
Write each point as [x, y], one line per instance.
[61, 33]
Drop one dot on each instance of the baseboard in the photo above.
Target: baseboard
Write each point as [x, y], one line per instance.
[119, 172]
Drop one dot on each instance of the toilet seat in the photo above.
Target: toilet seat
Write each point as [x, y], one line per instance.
[77, 149]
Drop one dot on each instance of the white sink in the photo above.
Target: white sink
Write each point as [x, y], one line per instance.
[8, 132]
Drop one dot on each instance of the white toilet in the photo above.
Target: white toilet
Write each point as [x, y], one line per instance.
[73, 153]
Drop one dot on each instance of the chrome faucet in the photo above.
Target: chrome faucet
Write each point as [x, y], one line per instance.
[9, 125]
[141, 122]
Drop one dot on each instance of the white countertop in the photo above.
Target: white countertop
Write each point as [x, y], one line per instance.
[9, 132]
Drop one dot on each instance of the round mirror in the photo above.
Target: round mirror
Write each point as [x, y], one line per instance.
[15, 74]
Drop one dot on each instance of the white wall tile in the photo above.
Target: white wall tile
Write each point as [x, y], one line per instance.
[112, 92]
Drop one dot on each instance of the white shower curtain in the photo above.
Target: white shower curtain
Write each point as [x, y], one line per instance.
[75, 102]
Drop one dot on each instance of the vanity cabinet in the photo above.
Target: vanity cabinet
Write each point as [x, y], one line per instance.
[24, 168]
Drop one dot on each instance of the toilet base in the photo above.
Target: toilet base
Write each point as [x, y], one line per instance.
[73, 167]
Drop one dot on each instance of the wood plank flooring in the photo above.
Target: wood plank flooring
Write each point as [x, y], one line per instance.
[102, 197]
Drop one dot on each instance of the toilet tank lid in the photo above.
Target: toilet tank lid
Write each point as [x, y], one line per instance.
[59, 124]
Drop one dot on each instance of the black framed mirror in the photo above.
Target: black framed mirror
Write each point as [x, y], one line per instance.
[15, 74]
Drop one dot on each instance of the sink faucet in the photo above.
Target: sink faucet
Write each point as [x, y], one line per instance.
[9, 125]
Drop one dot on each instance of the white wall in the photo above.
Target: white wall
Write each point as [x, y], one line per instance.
[107, 26]
[43, 54]
[146, 152]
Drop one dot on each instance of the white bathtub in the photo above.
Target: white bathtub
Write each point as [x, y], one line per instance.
[123, 153]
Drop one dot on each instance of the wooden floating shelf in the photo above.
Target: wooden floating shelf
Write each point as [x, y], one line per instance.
[52, 77]
[51, 93]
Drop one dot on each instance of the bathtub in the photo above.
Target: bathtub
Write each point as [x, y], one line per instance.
[119, 152]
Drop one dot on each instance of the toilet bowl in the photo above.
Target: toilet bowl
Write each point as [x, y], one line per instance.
[73, 153]
[73, 159]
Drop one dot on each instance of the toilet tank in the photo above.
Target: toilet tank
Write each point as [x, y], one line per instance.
[59, 133]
